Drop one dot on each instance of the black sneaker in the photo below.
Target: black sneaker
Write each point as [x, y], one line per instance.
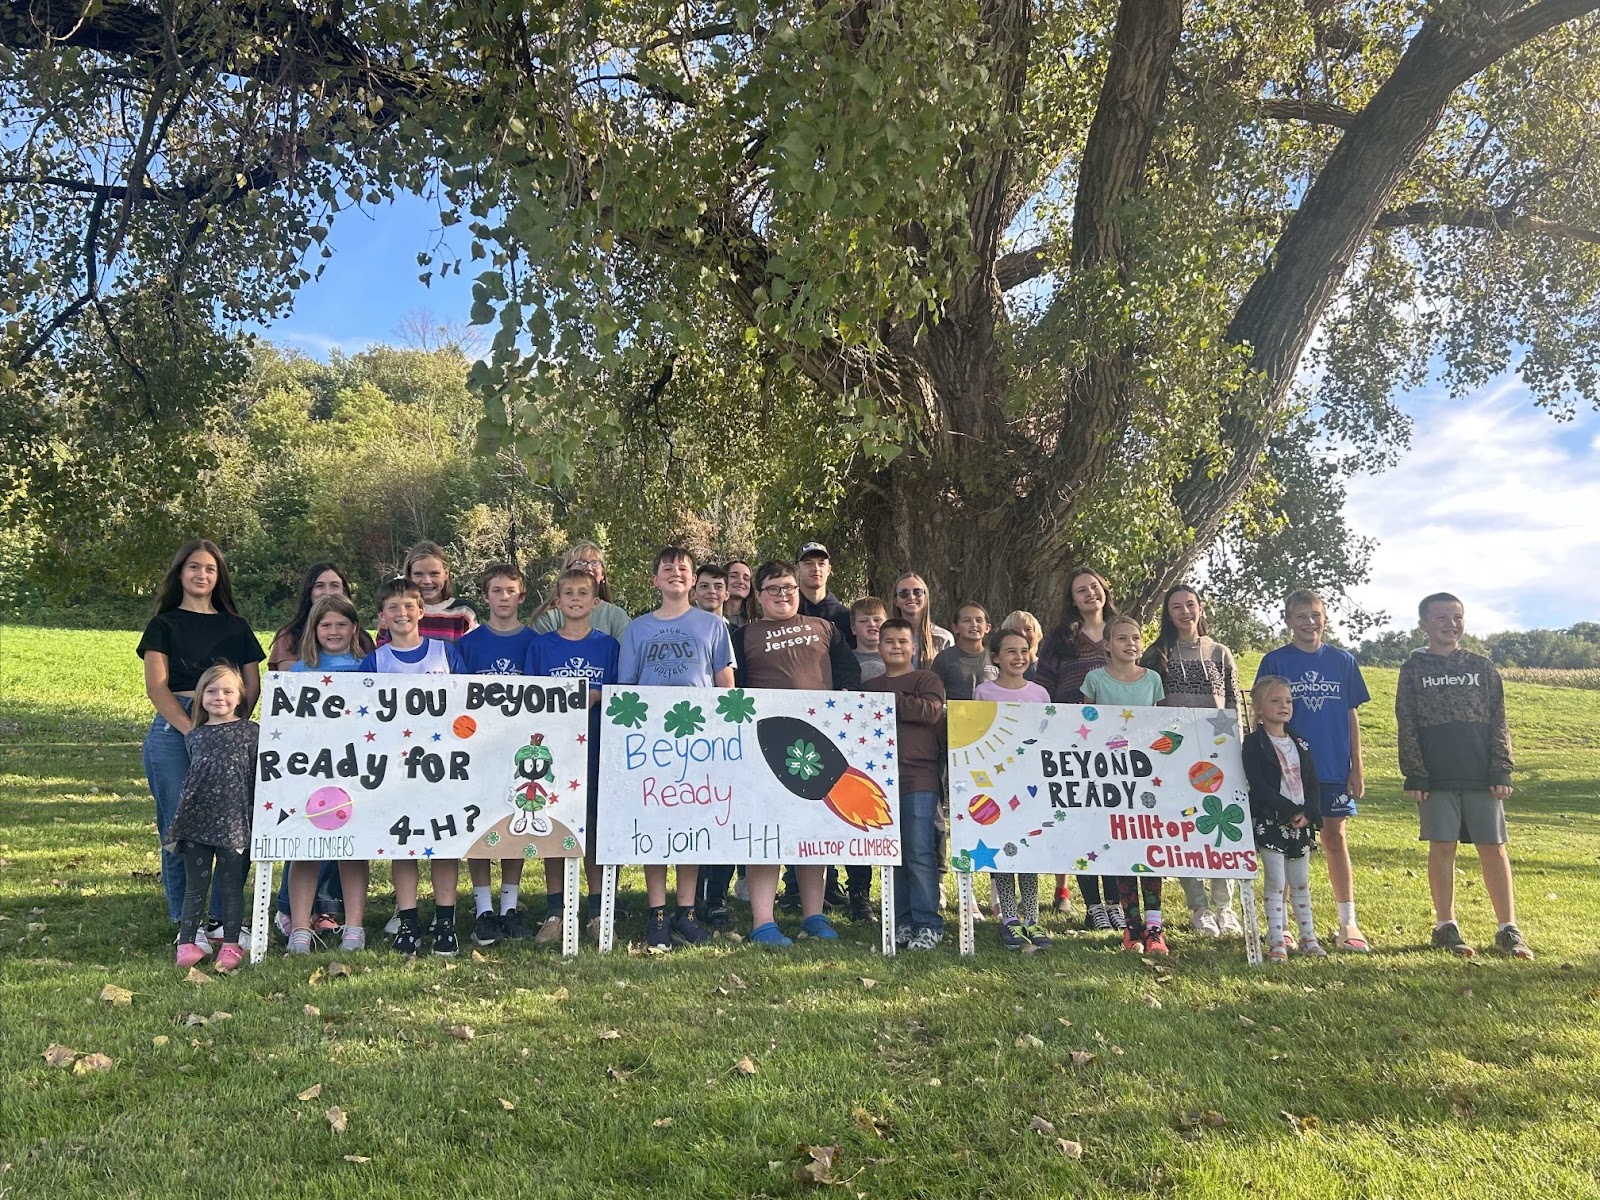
[861, 907]
[487, 929]
[1012, 935]
[1118, 918]
[444, 940]
[1098, 918]
[657, 936]
[789, 902]
[1509, 941]
[834, 898]
[511, 925]
[1448, 937]
[687, 930]
[408, 938]
[719, 917]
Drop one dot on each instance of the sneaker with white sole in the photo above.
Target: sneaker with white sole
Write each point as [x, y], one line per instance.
[300, 941]
[1097, 918]
[214, 932]
[925, 938]
[1228, 923]
[1119, 919]
[392, 925]
[284, 925]
[1201, 921]
[352, 938]
[549, 931]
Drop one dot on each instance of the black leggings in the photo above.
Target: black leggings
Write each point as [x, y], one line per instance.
[1131, 890]
[1089, 889]
[198, 878]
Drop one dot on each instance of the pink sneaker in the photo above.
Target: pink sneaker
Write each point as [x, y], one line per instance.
[230, 958]
[190, 955]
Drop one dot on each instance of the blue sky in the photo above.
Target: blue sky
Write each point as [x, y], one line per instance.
[1496, 501]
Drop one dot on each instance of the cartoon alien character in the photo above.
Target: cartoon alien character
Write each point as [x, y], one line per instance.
[535, 767]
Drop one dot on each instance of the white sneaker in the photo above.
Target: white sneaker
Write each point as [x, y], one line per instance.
[212, 934]
[281, 920]
[393, 925]
[352, 938]
[1228, 924]
[201, 941]
[1201, 921]
[741, 889]
[924, 939]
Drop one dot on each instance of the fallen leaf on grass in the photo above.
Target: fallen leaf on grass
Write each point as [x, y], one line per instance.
[869, 984]
[59, 1056]
[560, 993]
[337, 1119]
[479, 956]
[195, 1019]
[311, 1093]
[196, 975]
[316, 977]
[1041, 1126]
[1305, 1124]
[1026, 1041]
[818, 1169]
[1152, 1002]
[462, 1032]
[876, 1126]
[662, 1123]
[337, 969]
[610, 1035]
[357, 1158]
[1073, 1150]
[117, 997]
[745, 1066]
[617, 1073]
[1082, 1058]
[220, 1016]
[159, 1040]
[91, 1062]
[508, 1105]
[735, 982]
[1247, 1022]
[311, 1010]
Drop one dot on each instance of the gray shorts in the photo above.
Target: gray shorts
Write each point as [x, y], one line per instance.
[1462, 815]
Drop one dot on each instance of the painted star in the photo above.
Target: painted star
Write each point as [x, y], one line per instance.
[583, 738]
[877, 716]
[381, 850]
[267, 807]
[888, 783]
[843, 736]
[1156, 781]
[437, 736]
[276, 734]
[1127, 714]
[1082, 731]
[405, 733]
[877, 732]
[371, 737]
[427, 852]
[872, 765]
[362, 711]
[367, 682]
[1093, 855]
[984, 856]
[1223, 722]
[326, 680]
[862, 741]
[831, 704]
[575, 785]
[811, 712]
[849, 716]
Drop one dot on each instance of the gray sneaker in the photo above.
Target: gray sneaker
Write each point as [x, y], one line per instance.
[300, 941]
[1448, 937]
[925, 939]
[1509, 941]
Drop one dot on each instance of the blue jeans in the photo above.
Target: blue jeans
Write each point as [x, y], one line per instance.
[916, 881]
[166, 762]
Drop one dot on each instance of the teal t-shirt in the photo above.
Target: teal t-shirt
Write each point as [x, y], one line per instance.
[1144, 692]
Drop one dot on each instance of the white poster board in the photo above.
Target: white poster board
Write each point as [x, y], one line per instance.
[705, 775]
[391, 768]
[1098, 790]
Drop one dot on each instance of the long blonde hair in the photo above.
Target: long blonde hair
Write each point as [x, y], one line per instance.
[921, 624]
[1025, 623]
[198, 715]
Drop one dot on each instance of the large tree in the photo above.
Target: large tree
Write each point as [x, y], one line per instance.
[1047, 274]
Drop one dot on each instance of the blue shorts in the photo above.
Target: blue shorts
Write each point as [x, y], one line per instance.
[1336, 801]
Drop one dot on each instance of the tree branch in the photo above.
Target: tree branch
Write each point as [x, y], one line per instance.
[1312, 112]
[1019, 266]
[1504, 219]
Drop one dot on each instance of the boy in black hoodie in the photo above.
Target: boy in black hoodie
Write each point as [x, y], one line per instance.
[1455, 754]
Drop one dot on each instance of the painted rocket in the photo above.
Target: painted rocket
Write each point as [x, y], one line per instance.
[803, 759]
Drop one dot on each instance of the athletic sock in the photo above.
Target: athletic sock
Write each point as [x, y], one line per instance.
[554, 904]
[1152, 918]
[444, 914]
[508, 897]
[685, 910]
[1347, 914]
[1508, 925]
[482, 899]
[406, 915]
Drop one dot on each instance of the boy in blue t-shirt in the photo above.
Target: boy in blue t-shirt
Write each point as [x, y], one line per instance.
[499, 647]
[675, 646]
[578, 651]
[1326, 685]
[407, 652]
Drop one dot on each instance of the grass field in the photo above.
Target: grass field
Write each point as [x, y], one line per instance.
[1402, 1074]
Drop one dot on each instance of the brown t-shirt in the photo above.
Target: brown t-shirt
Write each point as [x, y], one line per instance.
[799, 654]
[919, 717]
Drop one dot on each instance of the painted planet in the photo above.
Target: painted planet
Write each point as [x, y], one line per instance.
[1117, 743]
[1091, 713]
[983, 809]
[1148, 799]
[328, 808]
[1205, 777]
[464, 727]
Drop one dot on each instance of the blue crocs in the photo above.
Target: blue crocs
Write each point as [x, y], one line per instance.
[770, 935]
[818, 927]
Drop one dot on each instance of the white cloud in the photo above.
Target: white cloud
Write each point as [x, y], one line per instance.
[1496, 502]
[316, 343]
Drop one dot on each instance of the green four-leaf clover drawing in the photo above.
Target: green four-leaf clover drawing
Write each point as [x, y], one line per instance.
[684, 719]
[1225, 822]
[736, 708]
[628, 710]
[803, 760]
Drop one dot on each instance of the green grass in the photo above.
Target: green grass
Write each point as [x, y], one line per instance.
[1407, 1073]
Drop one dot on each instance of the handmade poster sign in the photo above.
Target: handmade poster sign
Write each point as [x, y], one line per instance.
[701, 775]
[387, 767]
[1098, 790]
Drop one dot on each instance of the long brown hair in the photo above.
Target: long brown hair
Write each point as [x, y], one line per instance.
[295, 630]
[170, 594]
[1156, 656]
[1058, 644]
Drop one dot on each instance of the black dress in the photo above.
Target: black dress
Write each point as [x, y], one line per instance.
[1270, 810]
[219, 790]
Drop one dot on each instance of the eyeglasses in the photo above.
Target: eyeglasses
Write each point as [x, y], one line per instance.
[786, 590]
[909, 593]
